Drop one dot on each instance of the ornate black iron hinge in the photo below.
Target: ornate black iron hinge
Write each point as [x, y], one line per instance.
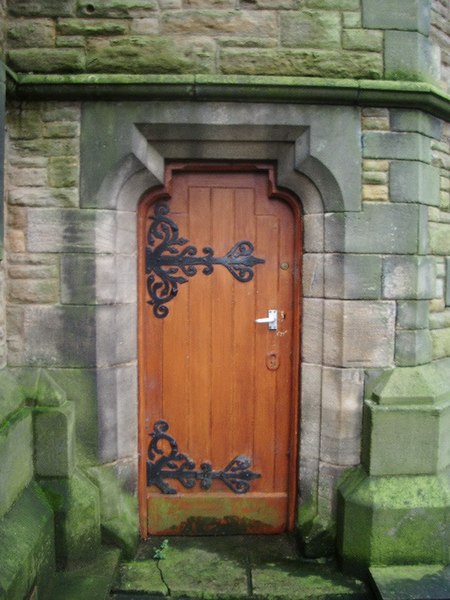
[176, 465]
[166, 265]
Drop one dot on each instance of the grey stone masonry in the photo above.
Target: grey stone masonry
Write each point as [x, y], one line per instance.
[411, 181]
[406, 15]
[413, 348]
[408, 277]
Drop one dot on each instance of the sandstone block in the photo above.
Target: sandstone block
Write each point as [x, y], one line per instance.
[46, 60]
[70, 41]
[352, 276]
[412, 314]
[91, 27]
[409, 55]
[28, 176]
[351, 20]
[34, 291]
[230, 4]
[33, 33]
[441, 343]
[408, 277]
[311, 28]
[362, 39]
[342, 404]
[360, 333]
[61, 129]
[42, 8]
[116, 9]
[61, 197]
[415, 120]
[219, 22]
[320, 63]
[63, 171]
[378, 229]
[413, 348]
[45, 147]
[375, 193]
[405, 15]
[440, 238]
[413, 181]
[447, 280]
[54, 430]
[404, 146]
[24, 124]
[375, 177]
[54, 111]
[313, 276]
[16, 459]
[334, 4]
[312, 333]
[147, 26]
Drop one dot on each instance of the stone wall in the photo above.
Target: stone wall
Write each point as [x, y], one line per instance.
[320, 38]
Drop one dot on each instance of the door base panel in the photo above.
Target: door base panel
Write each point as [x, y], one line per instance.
[216, 514]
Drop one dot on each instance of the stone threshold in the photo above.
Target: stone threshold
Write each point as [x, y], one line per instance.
[303, 90]
[232, 568]
[411, 582]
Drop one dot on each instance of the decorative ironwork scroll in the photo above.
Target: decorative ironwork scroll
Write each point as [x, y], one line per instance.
[168, 266]
[165, 462]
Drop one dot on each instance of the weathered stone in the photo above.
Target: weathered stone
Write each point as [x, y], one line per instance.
[375, 193]
[46, 60]
[409, 56]
[342, 402]
[413, 507]
[408, 277]
[352, 276]
[412, 314]
[311, 410]
[93, 279]
[360, 333]
[439, 238]
[45, 147]
[411, 581]
[247, 42]
[12, 396]
[54, 111]
[77, 525]
[375, 177]
[70, 230]
[63, 171]
[91, 27]
[313, 233]
[27, 553]
[219, 22]
[48, 392]
[321, 63]
[376, 165]
[61, 129]
[312, 333]
[54, 430]
[377, 123]
[312, 275]
[413, 348]
[362, 39]
[441, 342]
[28, 176]
[34, 291]
[70, 41]
[146, 54]
[118, 426]
[42, 8]
[24, 124]
[16, 458]
[351, 20]
[440, 320]
[404, 146]
[311, 28]
[57, 197]
[115, 8]
[148, 26]
[31, 33]
[415, 120]
[408, 15]
[413, 181]
[334, 4]
[378, 229]
[447, 279]
[230, 4]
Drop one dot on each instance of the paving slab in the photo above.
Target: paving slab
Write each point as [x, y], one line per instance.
[231, 568]
[419, 582]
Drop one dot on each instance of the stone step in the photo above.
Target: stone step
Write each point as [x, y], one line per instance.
[232, 567]
[92, 582]
[411, 582]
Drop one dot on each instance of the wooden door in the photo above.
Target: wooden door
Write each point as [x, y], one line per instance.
[219, 247]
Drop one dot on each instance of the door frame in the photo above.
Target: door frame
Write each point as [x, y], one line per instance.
[163, 192]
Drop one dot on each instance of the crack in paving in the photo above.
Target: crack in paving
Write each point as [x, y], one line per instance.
[248, 570]
[163, 581]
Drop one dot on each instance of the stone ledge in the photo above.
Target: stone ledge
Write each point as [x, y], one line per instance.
[305, 90]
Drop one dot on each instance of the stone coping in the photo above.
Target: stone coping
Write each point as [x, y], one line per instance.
[310, 90]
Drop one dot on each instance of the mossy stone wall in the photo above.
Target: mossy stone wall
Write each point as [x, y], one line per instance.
[320, 38]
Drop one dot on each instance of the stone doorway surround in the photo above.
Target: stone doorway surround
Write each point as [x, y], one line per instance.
[347, 325]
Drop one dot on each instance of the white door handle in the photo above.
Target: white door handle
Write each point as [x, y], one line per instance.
[271, 319]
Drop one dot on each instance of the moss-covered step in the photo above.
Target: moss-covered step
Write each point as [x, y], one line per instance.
[411, 582]
[92, 582]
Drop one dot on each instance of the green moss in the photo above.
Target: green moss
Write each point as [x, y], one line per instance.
[47, 60]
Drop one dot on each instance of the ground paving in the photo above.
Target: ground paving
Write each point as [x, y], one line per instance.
[232, 568]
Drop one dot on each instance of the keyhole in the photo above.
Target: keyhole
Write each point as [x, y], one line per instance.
[272, 361]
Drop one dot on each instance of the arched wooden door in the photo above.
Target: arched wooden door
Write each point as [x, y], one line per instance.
[219, 247]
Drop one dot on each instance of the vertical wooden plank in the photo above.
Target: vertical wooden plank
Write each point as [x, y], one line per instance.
[266, 342]
[222, 330]
[199, 328]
